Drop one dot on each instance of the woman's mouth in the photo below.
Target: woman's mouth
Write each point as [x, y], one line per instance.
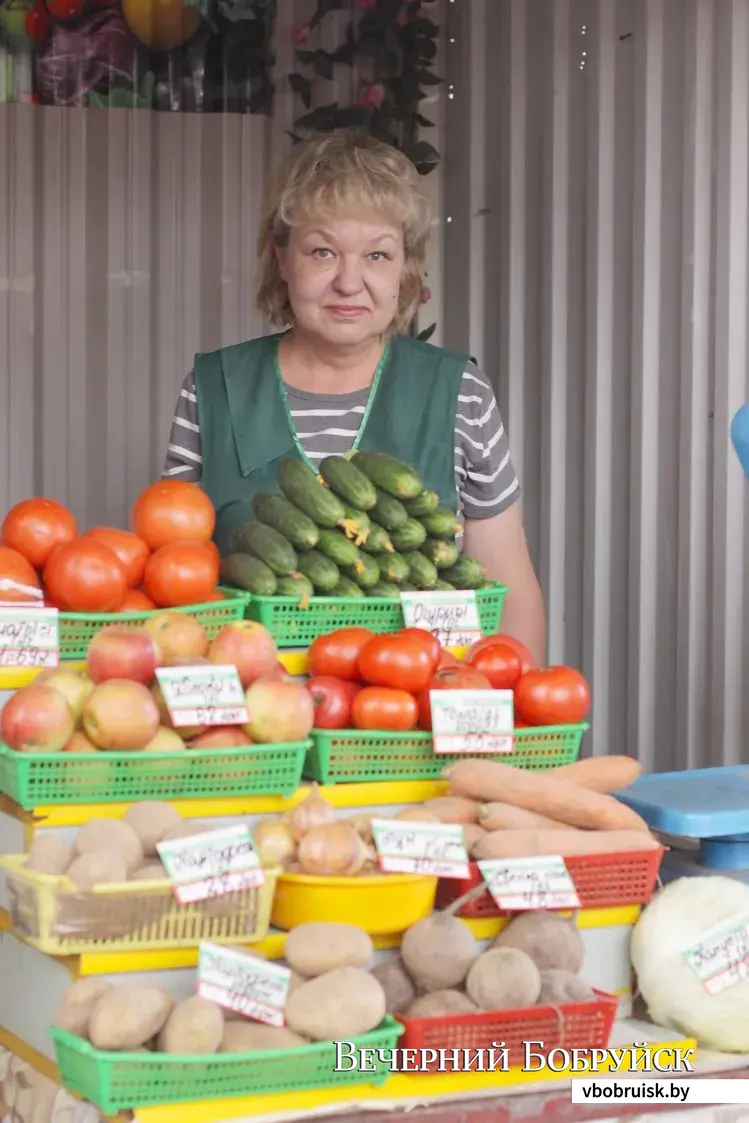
[346, 310]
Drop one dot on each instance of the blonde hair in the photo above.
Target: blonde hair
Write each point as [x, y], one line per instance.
[330, 175]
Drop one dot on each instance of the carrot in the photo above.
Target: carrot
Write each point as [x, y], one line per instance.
[605, 774]
[556, 798]
[452, 809]
[532, 844]
[503, 816]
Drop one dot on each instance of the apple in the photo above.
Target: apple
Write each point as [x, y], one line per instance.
[73, 683]
[279, 711]
[278, 674]
[249, 647]
[186, 732]
[120, 714]
[37, 719]
[79, 743]
[120, 652]
[177, 636]
[165, 741]
[221, 737]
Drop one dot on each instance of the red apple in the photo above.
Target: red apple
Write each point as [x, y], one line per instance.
[186, 732]
[73, 683]
[79, 743]
[177, 636]
[120, 714]
[278, 674]
[249, 647]
[221, 737]
[279, 711]
[37, 719]
[120, 652]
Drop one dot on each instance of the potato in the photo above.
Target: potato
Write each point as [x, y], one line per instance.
[437, 951]
[78, 1004]
[149, 821]
[105, 867]
[317, 947]
[549, 939]
[441, 1004]
[558, 987]
[127, 1017]
[110, 834]
[395, 981]
[194, 1026]
[49, 854]
[503, 979]
[254, 1037]
[151, 871]
[336, 1006]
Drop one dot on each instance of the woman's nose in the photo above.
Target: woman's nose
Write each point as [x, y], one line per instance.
[348, 275]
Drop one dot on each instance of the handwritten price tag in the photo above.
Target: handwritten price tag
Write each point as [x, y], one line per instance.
[472, 721]
[203, 695]
[212, 864]
[722, 959]
[521, 884]
[256, 988]
[29, 637]
[411, 847]
[453, 617]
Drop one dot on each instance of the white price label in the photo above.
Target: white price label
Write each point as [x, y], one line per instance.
[721, 959]
[405, 846]
[29, 636]
[523, 884]
[203, 695]
[453, 617]
[212, 864]
[472, 721]
[254, 987]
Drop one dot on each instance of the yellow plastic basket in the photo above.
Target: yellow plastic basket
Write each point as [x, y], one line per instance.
[51, 914]
[382, 904]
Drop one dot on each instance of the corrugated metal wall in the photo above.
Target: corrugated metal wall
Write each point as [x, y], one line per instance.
[590, 248]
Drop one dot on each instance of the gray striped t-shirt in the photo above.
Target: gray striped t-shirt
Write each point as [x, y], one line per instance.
[327, 424]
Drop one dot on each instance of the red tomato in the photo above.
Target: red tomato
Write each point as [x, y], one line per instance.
[173, 511]
[351, 688]
[552, 696]
[447, 659]
[378, 707]
[332, 702]
[35, 526]
[181, 573]
[38, 24]
[18, 579]
[131, 550]
[337, 654]
[500, 663]
[430, 642]
[400, 662]
[526, 659]
[448, 678]
[64, 11]
[84, 576]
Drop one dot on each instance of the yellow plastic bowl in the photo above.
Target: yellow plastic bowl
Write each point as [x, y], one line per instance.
[381, 905]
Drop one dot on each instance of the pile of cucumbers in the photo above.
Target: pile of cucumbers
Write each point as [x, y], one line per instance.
[364, 526]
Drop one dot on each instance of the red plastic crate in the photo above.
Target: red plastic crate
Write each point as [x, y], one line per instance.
[575, 1025]
[601, 880]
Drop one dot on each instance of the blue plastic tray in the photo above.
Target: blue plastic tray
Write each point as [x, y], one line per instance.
[705, 803]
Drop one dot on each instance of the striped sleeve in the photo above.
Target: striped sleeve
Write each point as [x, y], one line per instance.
[184, 452]
[487, 480]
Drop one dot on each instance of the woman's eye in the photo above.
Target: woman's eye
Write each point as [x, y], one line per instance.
[378, 255]
[321, 253]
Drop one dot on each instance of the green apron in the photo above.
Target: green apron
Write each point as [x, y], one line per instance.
[246, 431]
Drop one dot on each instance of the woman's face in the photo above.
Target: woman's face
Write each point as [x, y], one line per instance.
[343, 277]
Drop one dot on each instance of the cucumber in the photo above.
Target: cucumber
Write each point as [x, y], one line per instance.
[422, 504]
[296, 586]
[321, 571]
[358, 522]
[488, 585]
[378, 540]
[421, 571]
[347, 588]
[301, 487]
[408, 537]
[441, 523]
[443, 587]
[389, 512]
[440, 552]
[351, 485]
[248, 573]
[389, 474]
[407, 587]
[336, 546]
[275, 511]
[384, 589]
[267, 544]
[365, 573]
[393, 568]
[467, 573]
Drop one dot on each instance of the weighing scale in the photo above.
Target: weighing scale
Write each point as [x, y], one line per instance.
[704, 813]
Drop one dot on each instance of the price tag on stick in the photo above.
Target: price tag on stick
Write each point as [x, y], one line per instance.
[254, 987]
[453, 617]
[212, 864]
[29, 636]
[472, 721]
[721, 959]
[203, 695]
[523, 884]
[407, 846]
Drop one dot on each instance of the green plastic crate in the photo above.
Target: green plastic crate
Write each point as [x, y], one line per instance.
[292, 625]
[77, 629]
[124, 1081]
[340, 756]
[32, 779]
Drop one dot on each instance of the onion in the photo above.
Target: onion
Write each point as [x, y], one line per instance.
[333, 850]
[272, 839]
[313, 811]
[362, 824]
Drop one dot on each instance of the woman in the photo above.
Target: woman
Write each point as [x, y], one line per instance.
[342, 246]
